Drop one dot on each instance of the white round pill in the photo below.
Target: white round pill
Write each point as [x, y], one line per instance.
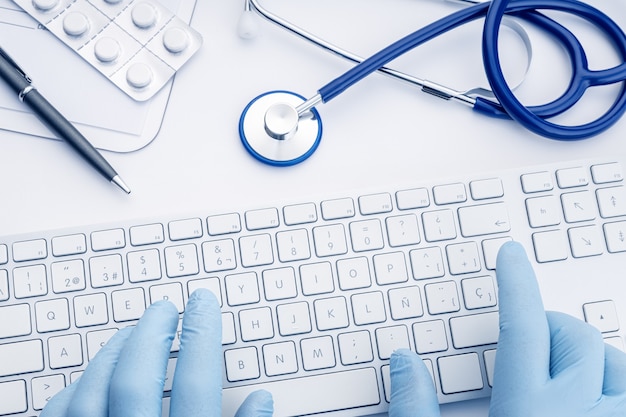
[144, 15]
[139, 75]
[107, 49]
[175, 40]
[45, 5]
[75, 24]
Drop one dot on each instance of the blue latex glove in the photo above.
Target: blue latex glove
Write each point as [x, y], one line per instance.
[127, 375]
[549, 364]
[412, 389]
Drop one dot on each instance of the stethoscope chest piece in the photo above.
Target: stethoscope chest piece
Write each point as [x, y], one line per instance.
[273, 132]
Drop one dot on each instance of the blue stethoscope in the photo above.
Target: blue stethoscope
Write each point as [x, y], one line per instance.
[282, 128]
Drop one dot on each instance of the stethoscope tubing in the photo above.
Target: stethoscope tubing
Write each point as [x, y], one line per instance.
[532, 118]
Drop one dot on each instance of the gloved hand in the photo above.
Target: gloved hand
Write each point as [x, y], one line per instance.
[549, 364]
[127, 375]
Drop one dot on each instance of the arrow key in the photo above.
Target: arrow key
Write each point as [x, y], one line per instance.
[44, 388]
[586, 241]
[602, 315]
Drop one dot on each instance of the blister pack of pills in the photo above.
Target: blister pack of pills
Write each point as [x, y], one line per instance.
[137, 44]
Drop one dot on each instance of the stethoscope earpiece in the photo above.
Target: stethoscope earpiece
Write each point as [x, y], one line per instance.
[247, 26]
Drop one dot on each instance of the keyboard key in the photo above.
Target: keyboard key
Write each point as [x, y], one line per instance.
[219, 255]
[211, 284]
[14, 321]
[550, 246]
[128, 304]
[355, 347]
[442, 297]
[605, 173]
[427, 263]
[330, 240]
[317, 353]
[612, 201]
[316, 278]
[405, 303]
[65, 351]
[242, 289]
[172, 292]
[106, 271]
[449, 193]
[439, 225]
[337, 209]
[68, 276]
[572, 177]
[460, 373]
[30, 281]
[311, 394]
[146, 234]
[375, 203]
[353, 273]
[13, 394]
[602, 315]
[223, 224]
[578, 206]
[97, 339]
[280, 358]
[4, 285]
[485, 189]
[586, 241]
[44, 388]
[391, 338]
[615, 235]
[368, 308]
[293, 245]
[474, 330]
[69, 245]
[331, 313]
[256, 250]
[52, 315]
[300, 214]
[21, 357]
[181, 260]
[262, 219]
[185, 229]
[279, 284]
[30, 250]
[108, 239]
[241, 364]
[90, 310]
[412, 199]
[536, 182]
[4, 254]
[463, 258]
[430, 336]
[479, 292]
[402, 230]
[144, 265]
[484, 219]
[293, 318]
[490, 250]
[543, 211]
[366, 235]
[390, 268]
[256, 324]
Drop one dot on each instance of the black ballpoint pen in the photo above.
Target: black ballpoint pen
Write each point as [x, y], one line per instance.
[59, 125]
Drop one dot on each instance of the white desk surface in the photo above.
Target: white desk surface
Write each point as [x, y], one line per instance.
[380, 133]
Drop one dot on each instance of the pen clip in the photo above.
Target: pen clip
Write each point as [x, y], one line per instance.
[17, 68]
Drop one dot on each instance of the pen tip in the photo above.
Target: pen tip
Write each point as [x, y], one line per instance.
[120, 183]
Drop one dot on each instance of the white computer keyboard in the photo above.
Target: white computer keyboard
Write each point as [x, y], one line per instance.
[317, 293]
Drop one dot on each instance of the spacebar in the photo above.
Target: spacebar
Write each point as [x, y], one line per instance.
[311, 394]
